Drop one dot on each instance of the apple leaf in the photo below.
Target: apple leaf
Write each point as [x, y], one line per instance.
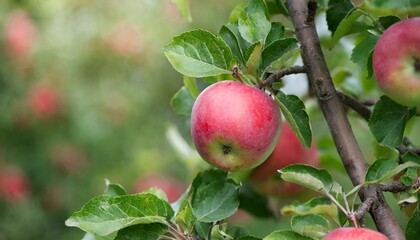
[248, 238]
[191, 84]
[253, 21]
[409, 176]
[199, 53]
[183, 8]
[233, 42]
[360, 54]
[346, 26]
[182, 102]
[318, 205]
[215, 201]
[276, 50]
[387, 21]
[412, 230]
[203, 229]
[151, 231]
[254, 203]
[186, 218]
[276, 33]
[254, 58]
[311, 225]
[114, 189]
[388, 121]
[286, 234]
[316, 179]
[337, 11]
[383, 169]
[104, 215]
[293, 110]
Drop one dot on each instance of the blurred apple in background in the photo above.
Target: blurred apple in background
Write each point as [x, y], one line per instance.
[288, 150]
[68, 158]
[44, 101]
[20, 38]
[14, 184]
[171, 186]
[125, 39]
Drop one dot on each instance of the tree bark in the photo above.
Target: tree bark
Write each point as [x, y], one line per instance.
[345, 142]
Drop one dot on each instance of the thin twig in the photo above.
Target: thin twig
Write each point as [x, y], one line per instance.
[364, 207]
[281, 73]
[399, 187]
[354, 104]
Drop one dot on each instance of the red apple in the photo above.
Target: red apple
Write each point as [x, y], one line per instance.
[14, 185]
[235, 126]
[288, 150]
[396, 62]
[44, 101]
[349, 233]
[171, 186]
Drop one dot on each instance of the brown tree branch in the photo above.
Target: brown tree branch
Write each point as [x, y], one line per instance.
[281, 73]
[399, 187]
[345, 142]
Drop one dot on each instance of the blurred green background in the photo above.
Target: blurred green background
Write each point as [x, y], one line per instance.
[84, 95]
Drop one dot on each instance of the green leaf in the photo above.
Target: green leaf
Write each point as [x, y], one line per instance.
[199, 53]
[411, 157]
[253, 22]
[310, 225]
[276, 33]
[293, 110]
[182, 102]
[186, 218]
[248, 238]
[114, 189]
[236, 13]
[254, 58]
[387, 21]
[191, 84]
[276, 50]
[287, 235]
[346, 26]
[203, 229]
[253, 202]
[388, 121]
[146, 231]
[337, 11]
[319, 205]
[409, 176]
[233, 42]
[412, 230]
[383, 169]
[183, 8]
[308, 176]
[363, 49]
[215, 201]
[104, 215]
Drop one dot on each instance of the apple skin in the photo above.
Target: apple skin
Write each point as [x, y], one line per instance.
[396, 62]
[288, 150]
[235, 126]
[171, 186]
[349, 233]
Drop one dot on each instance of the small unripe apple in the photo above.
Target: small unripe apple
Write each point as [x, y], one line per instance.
[349, 233]
[396, 62]
[171, 186]
[235, 126]
[289, 150]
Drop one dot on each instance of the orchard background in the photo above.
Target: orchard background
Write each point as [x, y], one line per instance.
[89, 101]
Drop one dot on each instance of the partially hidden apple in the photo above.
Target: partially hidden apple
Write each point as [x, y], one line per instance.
[235, 126]
[171, 186]
[44, 100]
[350, 233]
[288, 150]
[396, 62]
